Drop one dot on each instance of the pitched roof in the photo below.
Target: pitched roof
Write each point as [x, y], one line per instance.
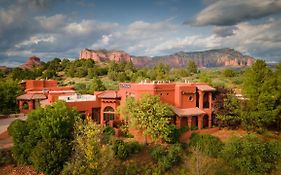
[188, 111]
[31, 97]
[109, 94]
[204, 87]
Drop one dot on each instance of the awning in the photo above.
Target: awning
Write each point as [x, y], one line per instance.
[188, 111]
[205, 87]
[31, 97]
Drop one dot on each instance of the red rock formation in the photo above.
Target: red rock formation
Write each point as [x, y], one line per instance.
[209, 58]
[31, 62]
[104, 55]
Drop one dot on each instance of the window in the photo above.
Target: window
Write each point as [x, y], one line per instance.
[108, 113]
[190, 98]
[25, 105]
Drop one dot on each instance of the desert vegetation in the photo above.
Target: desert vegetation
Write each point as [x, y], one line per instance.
[55, 140]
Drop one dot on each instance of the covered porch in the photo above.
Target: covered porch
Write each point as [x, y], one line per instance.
[193, 118]
[28, 102]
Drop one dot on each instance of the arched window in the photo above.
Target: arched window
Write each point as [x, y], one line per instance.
[25, 105]
[108, 113]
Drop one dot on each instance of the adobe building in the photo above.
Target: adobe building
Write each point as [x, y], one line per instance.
[191, 102]
[40, 93]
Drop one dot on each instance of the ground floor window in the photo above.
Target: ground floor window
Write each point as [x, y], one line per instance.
[108, 113]
[25, 105]
[96, 115]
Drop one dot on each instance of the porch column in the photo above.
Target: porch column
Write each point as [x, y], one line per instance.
[189, 122]
[101, 117]
[210, 100]
[20, 105]
[178, 122]
[201, 95]
[210, 121]
[30, 105]
[200, 122]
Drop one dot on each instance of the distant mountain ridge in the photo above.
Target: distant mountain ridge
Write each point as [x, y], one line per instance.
[209, 58]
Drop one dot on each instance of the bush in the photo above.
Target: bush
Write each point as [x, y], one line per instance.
[49, 155]
[19, 130]
[90, 155]
[174, 136]
[108, 130]
[229, 73]
[6, 157]
[207, 144]
[120, 149]
[252, 155]
[167, 158]
[42, 139]
[134, 147]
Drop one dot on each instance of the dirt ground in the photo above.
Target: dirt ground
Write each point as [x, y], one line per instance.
[18, 170]
[5, 140]
[224, 134]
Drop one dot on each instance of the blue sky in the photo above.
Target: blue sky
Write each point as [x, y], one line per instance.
[53, 28]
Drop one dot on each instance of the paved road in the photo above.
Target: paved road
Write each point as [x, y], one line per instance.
[4, 123]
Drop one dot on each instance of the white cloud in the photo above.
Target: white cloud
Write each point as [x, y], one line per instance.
[35, 40]
[231, 12]
[86, 27]
[52, 22]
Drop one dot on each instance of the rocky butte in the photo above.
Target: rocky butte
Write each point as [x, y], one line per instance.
[209, 58]
[31, 62]
[105, 55]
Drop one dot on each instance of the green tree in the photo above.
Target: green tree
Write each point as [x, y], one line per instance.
[9, 90]
[96, 85]
[262, 87]
[229, 114]
[254, 78]
[191, 67]
[252, 155]
[229, 73]
[206, 144]
[46, 132]
[150, 115]
[90, 155]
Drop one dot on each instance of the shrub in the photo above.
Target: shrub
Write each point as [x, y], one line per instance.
[49, 155]
[6, 157]
[90, 155]
[207, 144]
[229, 73]
[22, 149]
[252, 155]
[174, 135]
[134, 147]
[120, 149]
[167, 158]
[44, 134]
[108, 130]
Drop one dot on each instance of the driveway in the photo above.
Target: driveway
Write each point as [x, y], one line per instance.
[4, 123]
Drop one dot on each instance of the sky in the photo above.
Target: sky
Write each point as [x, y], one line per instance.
[61, 28]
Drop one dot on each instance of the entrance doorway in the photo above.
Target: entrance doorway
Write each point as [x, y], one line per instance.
[205, 121]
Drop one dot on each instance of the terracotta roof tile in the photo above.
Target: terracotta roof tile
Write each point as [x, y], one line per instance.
[205, 87]
[109, 94]
[31, 97]
[188, 111]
